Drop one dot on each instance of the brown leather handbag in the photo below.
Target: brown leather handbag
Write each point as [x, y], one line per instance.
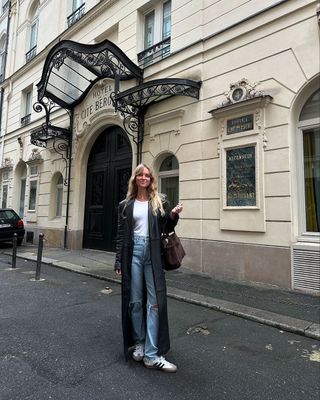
[172, 250]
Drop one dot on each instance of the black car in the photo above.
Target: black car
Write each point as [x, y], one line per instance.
[10, 223]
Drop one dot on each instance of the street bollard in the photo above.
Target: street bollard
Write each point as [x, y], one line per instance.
[39, 257]
[14, 250]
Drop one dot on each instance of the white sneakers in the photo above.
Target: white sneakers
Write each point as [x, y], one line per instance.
[159, 363]
[155, 363]
[138, 352]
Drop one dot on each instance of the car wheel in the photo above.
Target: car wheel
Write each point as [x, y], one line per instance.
[19, 241]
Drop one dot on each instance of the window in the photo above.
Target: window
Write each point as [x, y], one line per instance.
[33, 32]
[169, 179]
[157, 34]
[59, 196]
[4, 196]
[76, 4]
[33, 170]
[56, 196]
[5, 5]
[77, 12]
[22, 197]
[2, 57]
[166, 20]
[27, 107]
[309, 124]
[33, 195]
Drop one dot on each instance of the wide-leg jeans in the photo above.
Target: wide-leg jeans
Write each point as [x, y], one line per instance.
[144, 332]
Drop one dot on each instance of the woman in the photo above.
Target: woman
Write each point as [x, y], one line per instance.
[142, 216]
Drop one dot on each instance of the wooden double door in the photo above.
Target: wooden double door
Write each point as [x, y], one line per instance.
[108, 173]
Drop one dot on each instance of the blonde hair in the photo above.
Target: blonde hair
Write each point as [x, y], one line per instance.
[154, 196]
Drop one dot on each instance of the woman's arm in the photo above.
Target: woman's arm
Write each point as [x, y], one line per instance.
[171, 216]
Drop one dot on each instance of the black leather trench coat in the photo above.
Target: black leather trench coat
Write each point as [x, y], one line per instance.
[124, 250]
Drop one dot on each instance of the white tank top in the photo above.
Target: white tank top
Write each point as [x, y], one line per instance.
[140, 218]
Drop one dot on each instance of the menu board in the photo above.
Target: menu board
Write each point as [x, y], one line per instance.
[241, 176]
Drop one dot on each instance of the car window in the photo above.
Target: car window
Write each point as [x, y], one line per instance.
[7, 214]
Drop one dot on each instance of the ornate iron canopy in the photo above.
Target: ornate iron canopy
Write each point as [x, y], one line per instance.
[41, 135]
[133, 103]
[72, 68]
[70, 71]
[138, 98]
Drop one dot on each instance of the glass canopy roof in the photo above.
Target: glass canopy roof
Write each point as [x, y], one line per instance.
[72, 68]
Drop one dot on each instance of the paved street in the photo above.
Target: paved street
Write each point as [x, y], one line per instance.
[60, 338]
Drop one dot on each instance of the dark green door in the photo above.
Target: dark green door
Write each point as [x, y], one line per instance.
[109, 169]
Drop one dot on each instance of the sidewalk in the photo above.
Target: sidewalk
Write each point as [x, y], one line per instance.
[283, 309]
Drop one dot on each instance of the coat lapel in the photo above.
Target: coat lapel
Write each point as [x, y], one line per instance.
[129, 214]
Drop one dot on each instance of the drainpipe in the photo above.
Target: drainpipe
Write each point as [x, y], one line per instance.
[69, 181]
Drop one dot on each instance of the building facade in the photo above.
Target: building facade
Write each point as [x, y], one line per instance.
[227, 95]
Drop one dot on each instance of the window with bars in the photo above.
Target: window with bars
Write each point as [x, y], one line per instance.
[27, 107]
[157, 34]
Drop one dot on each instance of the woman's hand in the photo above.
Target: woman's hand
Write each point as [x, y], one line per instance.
[177, 209]
[118, 272]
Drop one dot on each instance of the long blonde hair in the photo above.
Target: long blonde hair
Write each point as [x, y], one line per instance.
[154, 196]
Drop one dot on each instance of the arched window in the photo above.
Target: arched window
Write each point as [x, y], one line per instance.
[33, 31]
[169, 179]
[309, 181]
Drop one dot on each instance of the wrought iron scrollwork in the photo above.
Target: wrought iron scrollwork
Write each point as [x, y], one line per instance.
[109, 65]
[131, 116]
[61, 136]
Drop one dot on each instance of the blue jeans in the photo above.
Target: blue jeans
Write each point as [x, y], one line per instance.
[144, 332]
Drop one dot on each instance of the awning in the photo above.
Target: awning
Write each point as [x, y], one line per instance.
[140, 97]
[72, 68]
[70, 71]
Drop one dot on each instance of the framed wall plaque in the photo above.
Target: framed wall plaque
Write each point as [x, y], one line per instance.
[241, 177]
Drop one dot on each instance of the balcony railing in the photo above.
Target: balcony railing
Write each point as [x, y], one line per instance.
[26, 120]
[76, 15]
[31, 53]
[154, 53]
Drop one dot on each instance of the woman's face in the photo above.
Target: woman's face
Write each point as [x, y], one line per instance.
[143, 178]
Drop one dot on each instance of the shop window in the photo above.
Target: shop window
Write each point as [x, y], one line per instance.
[309, 131]
[157, 34]
[169, 179]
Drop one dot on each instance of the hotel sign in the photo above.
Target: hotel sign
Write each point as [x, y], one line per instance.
[98, 100]
[240, 124]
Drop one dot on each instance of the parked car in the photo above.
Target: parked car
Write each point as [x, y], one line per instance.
[10, 223]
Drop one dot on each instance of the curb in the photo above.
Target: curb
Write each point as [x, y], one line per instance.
[282, 322]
